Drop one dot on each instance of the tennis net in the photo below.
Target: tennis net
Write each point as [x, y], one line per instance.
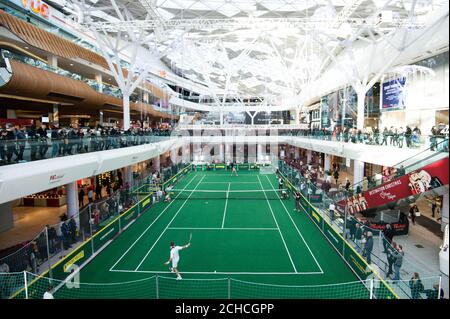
[262, 194]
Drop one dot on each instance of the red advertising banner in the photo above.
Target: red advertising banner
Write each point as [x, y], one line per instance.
[414, 183]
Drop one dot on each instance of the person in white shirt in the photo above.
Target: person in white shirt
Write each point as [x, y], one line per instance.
[331, 210]
[175, 258]
[48, 294]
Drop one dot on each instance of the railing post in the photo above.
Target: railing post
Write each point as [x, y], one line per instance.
[157, 287]
[440, 287]
[380, 240]
[371, 289]
[25, 284]
[120, 224]
[92, 240]
[48, 252]
[229, 288]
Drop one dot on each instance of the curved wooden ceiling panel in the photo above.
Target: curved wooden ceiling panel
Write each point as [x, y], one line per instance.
[32, 82]
[59, 46]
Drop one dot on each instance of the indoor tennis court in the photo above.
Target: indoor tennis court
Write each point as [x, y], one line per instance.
[246, 242]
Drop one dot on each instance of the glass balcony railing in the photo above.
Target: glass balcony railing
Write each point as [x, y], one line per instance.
[399, 140]
[34, 148]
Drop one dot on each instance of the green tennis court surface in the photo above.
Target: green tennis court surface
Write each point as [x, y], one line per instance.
[253, 246]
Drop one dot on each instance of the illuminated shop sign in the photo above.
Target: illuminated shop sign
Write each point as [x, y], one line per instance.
[37, 7]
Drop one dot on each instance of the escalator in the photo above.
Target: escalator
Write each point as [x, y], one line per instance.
[425, 173]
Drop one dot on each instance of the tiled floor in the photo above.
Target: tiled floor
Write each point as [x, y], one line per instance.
[28, 222]
[427, 258]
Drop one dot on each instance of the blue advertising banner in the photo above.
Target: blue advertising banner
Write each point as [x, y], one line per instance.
[394, 94]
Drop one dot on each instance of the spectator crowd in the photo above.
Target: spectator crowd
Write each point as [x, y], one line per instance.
[19, 143]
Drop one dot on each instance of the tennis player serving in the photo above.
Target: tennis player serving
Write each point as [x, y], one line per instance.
[175, 257]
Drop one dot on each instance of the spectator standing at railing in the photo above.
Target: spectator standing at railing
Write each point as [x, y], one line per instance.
[368, 247]
[21, 141]
[358, 237]
[398, 262]
[416, 286]
[359, 136]
[65, 235]
[90, 195]
[347, 184]
[365, 184]
[400, 171]
[56, 140]
[408, 135]
[433, 138]
[42, 136]
[98, 191]
[10, 138]
[33, 261]
[31, 138]
[388, 234]
[391, 136]
[385, 135]
[400, 135]
[81, 194]
[72, 140]
[80, 136]
[391, 250]
[72, 230]
[336, 176]
[435, 293]
[51, 231]
[376, 135]
[351, 222]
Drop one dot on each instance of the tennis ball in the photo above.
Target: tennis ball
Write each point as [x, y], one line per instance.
[215, 271]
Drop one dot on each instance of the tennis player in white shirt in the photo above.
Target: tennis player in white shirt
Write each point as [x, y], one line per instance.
[175, 257]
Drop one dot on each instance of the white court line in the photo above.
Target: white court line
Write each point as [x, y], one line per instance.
[179, 209]
[226, 204]
[219, 228]
[134, 243]
[219, 272]
[295, 225]
[279, 231]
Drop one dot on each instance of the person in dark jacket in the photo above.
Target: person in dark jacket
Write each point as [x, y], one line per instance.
[10, 139]
[98, 191]
[56, 140]
[33, 140]
[65, 235]
[416, 286]
[385, 135]
[358, 237]
[408, 136]
[434, 293]
[352, 227]
[398, 261]
[412, 212]
[297, 197]
[400, 171]
[42, 136]
[81, 194]
[21, 141]
[336, 176]
[368, 247]
[388, 235]
[73, 230]
[391, 251]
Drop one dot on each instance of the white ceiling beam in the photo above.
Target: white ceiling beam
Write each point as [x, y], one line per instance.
[208, 24]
